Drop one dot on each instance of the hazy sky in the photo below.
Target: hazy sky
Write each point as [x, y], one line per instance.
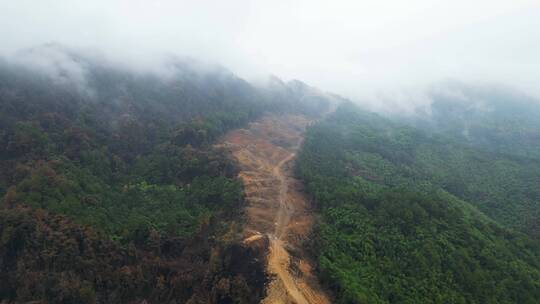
[354, 48]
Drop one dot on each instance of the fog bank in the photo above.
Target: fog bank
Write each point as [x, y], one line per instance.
[365, 50]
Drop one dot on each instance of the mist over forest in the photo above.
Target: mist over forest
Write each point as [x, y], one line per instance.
[249, 152]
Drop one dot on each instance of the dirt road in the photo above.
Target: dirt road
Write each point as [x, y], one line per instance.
[276, 208]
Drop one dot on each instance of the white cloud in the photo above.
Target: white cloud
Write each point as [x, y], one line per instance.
[355, 48]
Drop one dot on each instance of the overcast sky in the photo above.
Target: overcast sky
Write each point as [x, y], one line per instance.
[354, 48]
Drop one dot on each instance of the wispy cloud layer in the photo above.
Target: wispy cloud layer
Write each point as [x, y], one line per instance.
[355, 48]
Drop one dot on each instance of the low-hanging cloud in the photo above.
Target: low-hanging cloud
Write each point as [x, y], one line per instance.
[360, 49]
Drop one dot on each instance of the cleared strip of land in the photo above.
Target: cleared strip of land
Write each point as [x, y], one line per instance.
[277, 209]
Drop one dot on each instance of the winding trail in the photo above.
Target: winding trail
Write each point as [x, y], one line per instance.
[277, 209]
[285, 210]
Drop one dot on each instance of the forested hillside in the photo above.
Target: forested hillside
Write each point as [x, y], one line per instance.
[414, 217]
[493, 118]
[112, 188]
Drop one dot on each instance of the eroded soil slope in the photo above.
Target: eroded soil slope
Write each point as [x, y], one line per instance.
[277, 211]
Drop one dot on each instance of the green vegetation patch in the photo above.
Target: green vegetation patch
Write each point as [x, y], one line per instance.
[402, 219]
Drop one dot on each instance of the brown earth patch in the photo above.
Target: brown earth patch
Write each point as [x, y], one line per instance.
[276, 208]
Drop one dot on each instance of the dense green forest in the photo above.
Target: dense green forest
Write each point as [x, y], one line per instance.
[409, 216]
[112, 189]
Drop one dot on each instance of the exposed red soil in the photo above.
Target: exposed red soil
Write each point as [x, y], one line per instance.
[277, 209]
